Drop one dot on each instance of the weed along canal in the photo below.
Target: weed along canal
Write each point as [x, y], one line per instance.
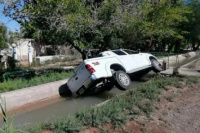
[49, 110]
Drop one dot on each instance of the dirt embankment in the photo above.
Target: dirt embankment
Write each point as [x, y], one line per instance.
[177, 111]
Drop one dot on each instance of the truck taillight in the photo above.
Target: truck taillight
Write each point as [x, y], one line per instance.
[89, 68]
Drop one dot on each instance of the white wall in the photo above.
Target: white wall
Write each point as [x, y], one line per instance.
[22, 49]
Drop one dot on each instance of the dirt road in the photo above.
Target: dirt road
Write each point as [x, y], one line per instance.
[178, 111]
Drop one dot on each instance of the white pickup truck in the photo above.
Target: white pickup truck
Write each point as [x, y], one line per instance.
[111, 68]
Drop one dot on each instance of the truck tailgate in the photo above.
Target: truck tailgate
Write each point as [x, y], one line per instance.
[80, 75]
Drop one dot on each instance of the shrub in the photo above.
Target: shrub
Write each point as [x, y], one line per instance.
[64, 125]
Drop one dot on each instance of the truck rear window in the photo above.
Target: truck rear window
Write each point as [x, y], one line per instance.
[119, 52]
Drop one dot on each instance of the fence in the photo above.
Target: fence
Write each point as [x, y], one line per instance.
[166, 57]
[176, 59]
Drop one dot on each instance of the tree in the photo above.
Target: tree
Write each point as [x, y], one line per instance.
[159, 21]
[13, 37]
[101, 24]
[193, 26]
[3, 36]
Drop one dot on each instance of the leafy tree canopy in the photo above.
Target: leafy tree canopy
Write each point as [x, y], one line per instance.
[13, 37]
[158, 21]
[82, 24]
[106, 24]
[193, 26]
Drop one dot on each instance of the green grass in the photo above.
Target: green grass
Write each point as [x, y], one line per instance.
[53, 61]
[15, 84]
[8, 126]
[66, 124]
[191, 80]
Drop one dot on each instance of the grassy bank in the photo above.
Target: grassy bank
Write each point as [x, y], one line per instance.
[119, 109]
[22, 83]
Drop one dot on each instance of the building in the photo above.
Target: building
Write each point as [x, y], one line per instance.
[39, 50]
[23, 46]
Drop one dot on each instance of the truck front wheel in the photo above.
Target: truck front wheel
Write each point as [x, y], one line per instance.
[123, 81]
[156, 65]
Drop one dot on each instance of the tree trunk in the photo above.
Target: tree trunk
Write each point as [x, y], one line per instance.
[198, 45]
[148, 45]
[177, 46]
[169, 48]
[81, 51]
[159, 46]
[163, 45]
[195, 46]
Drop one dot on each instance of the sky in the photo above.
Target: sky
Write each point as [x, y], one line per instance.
[11, 24]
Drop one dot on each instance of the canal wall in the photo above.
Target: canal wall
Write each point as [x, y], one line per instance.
[21, 97]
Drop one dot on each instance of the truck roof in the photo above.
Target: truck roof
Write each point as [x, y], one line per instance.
[119, 52]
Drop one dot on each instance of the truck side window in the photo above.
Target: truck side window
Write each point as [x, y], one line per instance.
[119, 52]
[99, 55]
[131, 51]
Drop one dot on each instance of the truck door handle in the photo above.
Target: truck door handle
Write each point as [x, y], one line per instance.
[76, 78]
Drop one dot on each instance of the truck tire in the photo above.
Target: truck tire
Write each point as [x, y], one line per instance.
[122, 79]
[157, 67]
[64, 91]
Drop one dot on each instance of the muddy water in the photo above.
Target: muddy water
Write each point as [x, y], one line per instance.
[48, 111]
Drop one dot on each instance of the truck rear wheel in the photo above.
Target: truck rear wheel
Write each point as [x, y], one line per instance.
[123, 81]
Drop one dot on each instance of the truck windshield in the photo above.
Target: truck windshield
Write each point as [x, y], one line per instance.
[100, 55]
[119, 52]
[130, 51]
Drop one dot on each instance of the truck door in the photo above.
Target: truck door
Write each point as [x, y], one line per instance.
[139, 60]
[125, 59]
